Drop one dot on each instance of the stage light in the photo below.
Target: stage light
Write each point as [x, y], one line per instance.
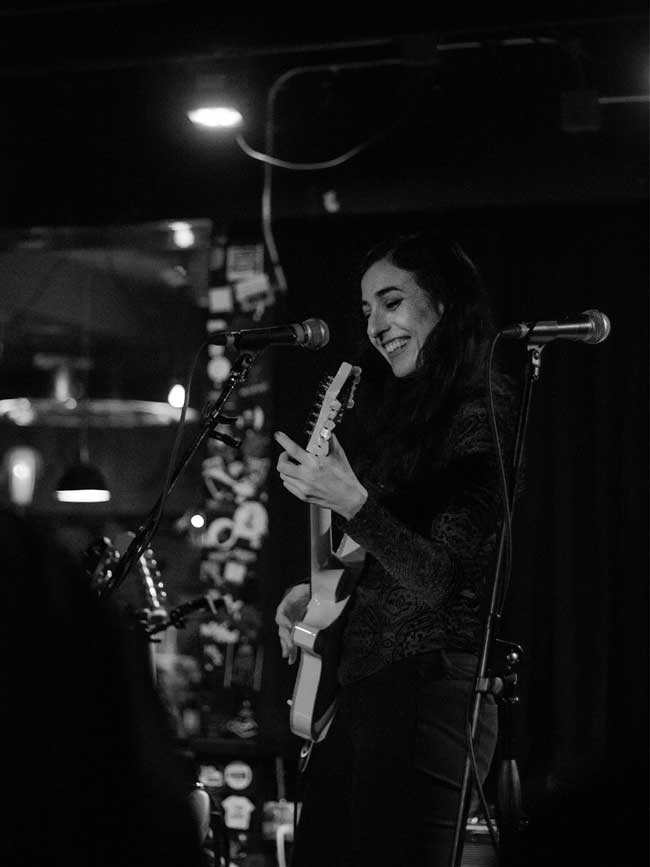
[82, 483]
[213, 106]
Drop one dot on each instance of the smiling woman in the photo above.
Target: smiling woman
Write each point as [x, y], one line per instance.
[420, 495]
[400, 314]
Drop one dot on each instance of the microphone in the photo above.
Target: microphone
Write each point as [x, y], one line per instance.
[310, 334]
[590, 326]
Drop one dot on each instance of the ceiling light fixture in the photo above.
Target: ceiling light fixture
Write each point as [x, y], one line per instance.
[213, 105]
[82, 483]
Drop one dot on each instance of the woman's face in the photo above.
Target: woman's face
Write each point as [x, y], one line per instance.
[400, 315]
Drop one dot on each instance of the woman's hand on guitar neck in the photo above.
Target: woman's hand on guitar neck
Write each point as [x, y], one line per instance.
[290, 611]
[328, 481]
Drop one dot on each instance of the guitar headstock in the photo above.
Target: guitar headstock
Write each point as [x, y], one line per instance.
[152, 580]
[336, 394]
[148, 572]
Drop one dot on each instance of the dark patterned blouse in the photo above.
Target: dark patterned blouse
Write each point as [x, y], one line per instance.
[430, 549]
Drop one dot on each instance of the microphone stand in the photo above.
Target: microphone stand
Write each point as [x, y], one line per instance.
[484, 684]
[142, 538]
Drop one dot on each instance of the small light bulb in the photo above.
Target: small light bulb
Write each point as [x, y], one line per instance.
[183, 234]
[215, 117]
[197, 520]
[176, 396]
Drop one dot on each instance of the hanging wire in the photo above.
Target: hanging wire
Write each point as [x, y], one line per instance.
[307, 167]
[270, 161]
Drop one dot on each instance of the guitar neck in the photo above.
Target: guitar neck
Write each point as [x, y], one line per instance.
[337, 396]
[320, 527]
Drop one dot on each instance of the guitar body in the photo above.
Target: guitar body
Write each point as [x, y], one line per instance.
[318, 634]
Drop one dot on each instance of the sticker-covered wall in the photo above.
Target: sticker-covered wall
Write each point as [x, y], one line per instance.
[233, 539]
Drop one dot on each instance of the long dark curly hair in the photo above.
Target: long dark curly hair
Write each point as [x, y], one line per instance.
[402, 416]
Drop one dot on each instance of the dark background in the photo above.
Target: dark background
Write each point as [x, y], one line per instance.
[551, 203]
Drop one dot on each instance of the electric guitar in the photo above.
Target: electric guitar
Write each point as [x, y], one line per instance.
[332, 580]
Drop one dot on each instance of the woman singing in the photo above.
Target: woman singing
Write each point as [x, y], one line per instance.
[420, 494]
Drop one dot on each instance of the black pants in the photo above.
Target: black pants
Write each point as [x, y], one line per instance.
[382, 789]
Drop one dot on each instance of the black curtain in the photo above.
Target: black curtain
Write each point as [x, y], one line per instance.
[577, 601]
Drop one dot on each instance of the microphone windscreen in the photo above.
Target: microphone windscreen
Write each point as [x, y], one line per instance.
[601, 325]
[317, 333]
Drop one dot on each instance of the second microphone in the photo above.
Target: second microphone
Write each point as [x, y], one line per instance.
[310, 334]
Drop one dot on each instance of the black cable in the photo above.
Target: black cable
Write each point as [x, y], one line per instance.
[177, 440]
[505, 499]
[157, 515]
[505, 486]
[479, 788]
